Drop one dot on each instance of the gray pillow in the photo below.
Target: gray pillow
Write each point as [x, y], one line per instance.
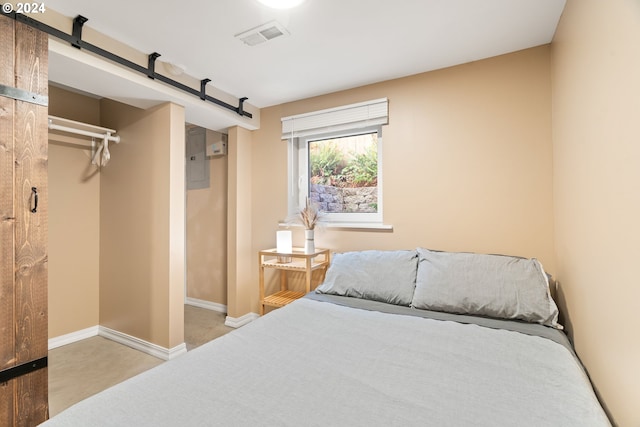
[387, 276]
[487, 285]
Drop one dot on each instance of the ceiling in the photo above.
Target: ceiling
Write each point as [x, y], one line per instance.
[332, 44]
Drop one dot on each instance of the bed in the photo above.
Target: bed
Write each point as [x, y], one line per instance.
[359, 352]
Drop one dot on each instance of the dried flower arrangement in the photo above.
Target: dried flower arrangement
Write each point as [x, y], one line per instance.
[309, 215]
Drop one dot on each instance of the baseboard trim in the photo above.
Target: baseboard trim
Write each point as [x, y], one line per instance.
[213, 306]
[236, 322]
[72, 337]
[142, 345]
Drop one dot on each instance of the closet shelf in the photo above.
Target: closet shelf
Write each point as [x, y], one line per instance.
[100, 156]
[79, 128]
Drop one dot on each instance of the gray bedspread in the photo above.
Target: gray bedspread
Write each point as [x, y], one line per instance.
[318, 363]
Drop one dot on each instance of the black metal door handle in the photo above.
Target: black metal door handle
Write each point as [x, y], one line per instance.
[35, 199]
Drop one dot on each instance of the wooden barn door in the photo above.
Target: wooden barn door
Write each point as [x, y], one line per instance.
[23, 225]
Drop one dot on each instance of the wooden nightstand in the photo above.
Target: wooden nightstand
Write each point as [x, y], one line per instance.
[300, 261]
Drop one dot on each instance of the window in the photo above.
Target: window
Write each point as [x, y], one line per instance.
[335, 161]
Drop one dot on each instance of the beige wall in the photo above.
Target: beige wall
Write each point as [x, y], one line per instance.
[596, 100]
[467, 163]
[74, 219]
[174, 174]
[242, 261]
[207, 237]
[142, 224]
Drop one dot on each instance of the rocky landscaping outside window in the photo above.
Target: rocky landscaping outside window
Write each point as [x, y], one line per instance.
[344, 174]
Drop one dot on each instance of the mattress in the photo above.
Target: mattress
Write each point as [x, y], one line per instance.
[338, 361]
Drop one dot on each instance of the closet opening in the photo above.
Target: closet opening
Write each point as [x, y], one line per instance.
[116, 222]
[110, 215]
[206, 183]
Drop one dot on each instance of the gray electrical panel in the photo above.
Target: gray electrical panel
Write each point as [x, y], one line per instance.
[197, 163]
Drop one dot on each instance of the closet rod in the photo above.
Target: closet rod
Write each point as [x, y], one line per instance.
[71, 126]
[102, 136]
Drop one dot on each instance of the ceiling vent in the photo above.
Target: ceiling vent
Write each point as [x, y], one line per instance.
[262, 33]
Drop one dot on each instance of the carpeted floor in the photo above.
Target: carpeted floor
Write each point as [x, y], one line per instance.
[81, 369]
[202, 325]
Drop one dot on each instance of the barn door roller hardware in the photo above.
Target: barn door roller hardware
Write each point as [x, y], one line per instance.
[75, 39]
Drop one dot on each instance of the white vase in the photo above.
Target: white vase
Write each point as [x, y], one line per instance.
[309, 245]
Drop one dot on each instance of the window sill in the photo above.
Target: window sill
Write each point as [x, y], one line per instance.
[353, 226]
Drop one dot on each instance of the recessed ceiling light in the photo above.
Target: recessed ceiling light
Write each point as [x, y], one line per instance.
[281, 4]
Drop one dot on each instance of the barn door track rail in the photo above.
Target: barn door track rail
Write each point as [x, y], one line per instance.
[75, 39]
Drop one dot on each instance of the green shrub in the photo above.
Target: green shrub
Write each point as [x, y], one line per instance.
[326, 163]
[362, 170]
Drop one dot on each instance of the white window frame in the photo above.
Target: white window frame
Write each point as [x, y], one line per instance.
[354, 119]
[299, 177]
